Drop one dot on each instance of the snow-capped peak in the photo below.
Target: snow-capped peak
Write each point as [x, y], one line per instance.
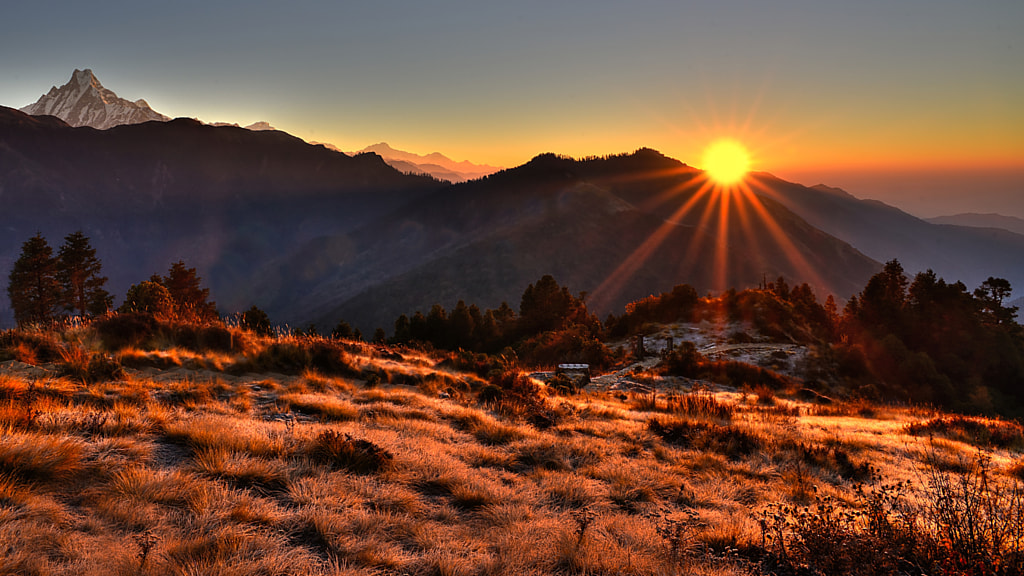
[85, 78]
[83, 101]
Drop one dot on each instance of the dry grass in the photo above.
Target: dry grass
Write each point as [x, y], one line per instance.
[186, 464]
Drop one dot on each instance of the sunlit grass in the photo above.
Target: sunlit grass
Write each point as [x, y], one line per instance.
[192, 469]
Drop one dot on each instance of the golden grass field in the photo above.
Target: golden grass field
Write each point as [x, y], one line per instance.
[188, 464]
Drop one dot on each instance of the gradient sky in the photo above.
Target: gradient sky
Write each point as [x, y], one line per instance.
[854, 94]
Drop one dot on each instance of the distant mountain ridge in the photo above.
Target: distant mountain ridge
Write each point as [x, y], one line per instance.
[227, 200]
[955, 252]
[436, 164]
[975, 220]
[599, 225]
[314, 235]
[83, 101]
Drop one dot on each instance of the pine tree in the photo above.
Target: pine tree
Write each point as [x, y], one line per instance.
[256, 321]
[343, 331]
[189, 299]
[33, 287]
[78, 271]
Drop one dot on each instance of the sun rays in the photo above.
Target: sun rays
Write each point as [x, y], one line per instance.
[726, 212]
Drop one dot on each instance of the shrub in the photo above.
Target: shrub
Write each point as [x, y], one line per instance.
[833, 459]
[342, 451]
[202, 338]
[958, 523]
[118, 331]
[520, 397]
[726, 440]
[256, 321]
[977, 431]
[740, 374]
[30, 346]
[285, 357]
[700, 404]
[88, 368]
[149, 298]
[683, 361]
[330, 358]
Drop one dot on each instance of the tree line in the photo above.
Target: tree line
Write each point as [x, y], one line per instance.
[551, 325]
[44, 287]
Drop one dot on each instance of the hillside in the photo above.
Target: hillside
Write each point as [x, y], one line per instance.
[883, 232]
[974, 220]
[603, 226]
[313, 236]
[307, 456]
[225, 199]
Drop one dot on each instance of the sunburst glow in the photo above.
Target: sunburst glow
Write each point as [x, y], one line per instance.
[726, 161]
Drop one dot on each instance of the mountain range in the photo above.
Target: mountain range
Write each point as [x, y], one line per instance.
[975, 220]
[435, 164]
[225, 199]
[83, 101]
[313, 235]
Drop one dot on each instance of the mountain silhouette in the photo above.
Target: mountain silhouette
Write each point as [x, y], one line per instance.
[435, 164]
[589, 223]
[314, 235]
[227, 200]
[975, 220]
[955, 252]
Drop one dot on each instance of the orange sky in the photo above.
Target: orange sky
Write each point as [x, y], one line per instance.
[809, 85]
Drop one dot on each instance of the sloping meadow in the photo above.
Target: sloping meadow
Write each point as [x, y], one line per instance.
[189, 465]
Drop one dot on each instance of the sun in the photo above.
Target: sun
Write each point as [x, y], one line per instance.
[726, 161]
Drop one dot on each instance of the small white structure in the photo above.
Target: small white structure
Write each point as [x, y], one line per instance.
[579, 374]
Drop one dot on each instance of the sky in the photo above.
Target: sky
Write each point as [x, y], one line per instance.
[919, 103]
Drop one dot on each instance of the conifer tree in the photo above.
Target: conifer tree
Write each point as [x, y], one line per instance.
[78, 271]
[256, 321]
[33, 286]
[183, 284]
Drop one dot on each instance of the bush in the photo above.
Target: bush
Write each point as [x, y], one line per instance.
[520, 397]
[330, 358]
[30, 347]
[683, 361]
[88, 368]
[342, 451]
[726, 440]
[740, 374]
[982, 432]
[283, 357]
[700, 404]
[958, 523]
[835, 460]
[126, 330]
[150, 298]
[256, 321]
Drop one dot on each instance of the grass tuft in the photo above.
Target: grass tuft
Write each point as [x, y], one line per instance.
[343, 452]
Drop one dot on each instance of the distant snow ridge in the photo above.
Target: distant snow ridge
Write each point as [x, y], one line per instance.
[83, 101]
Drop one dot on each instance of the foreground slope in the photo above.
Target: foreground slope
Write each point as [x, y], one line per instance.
[200, 463]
